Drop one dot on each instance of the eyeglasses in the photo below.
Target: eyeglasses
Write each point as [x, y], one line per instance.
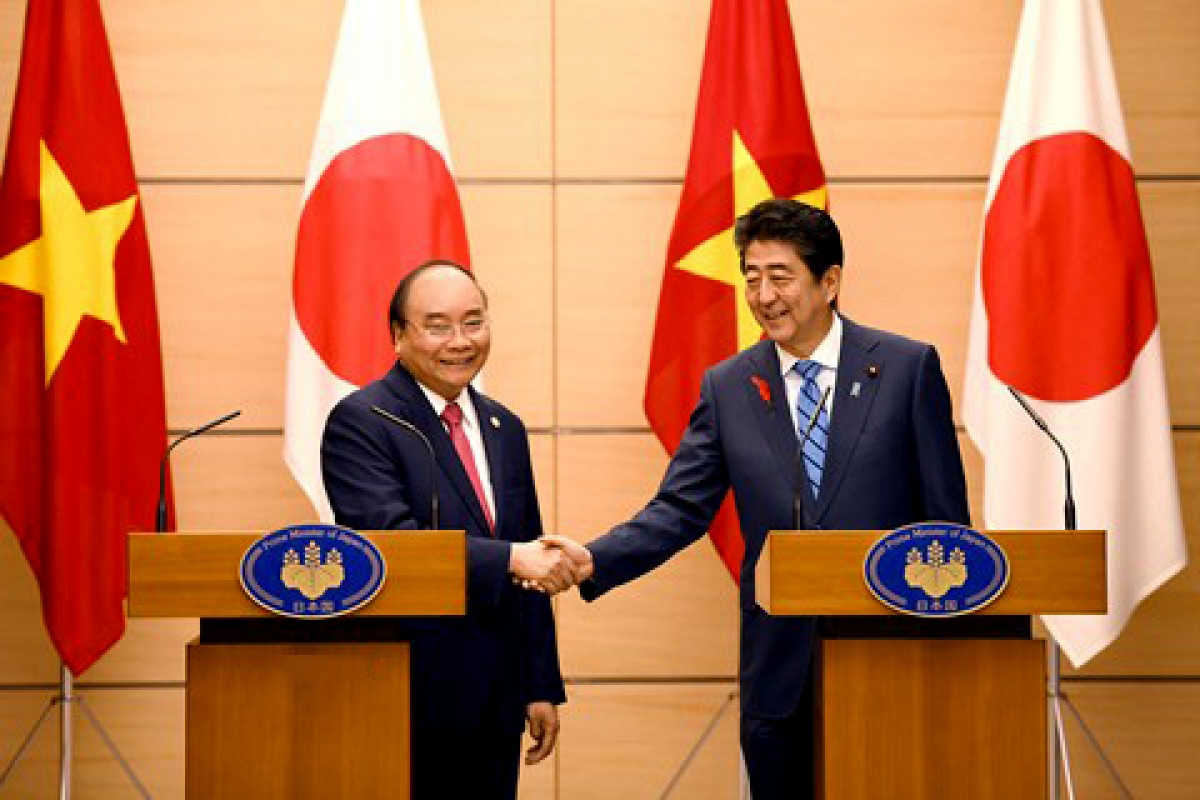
[441, 331]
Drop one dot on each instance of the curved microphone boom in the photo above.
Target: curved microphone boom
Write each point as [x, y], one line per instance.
[160, 516]
[413, 429]
[1069, 504]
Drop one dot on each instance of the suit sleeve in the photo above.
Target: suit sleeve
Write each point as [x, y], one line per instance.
[943, 484]
[368, 482]
[543, 675]
[688, 499]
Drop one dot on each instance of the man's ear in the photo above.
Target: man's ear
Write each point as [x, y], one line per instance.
[832, 282]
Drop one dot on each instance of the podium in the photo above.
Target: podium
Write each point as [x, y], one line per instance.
[930, 708]
[288, 708]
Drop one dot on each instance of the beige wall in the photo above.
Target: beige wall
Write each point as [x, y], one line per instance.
[569, 123]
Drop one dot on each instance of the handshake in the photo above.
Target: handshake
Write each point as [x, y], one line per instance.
[551, 564]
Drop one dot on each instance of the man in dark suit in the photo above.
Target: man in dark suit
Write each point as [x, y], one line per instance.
[476, 680]
[881, 453]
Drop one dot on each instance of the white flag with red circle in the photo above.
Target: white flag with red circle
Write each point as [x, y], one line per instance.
[1064, 312]
[379, 199]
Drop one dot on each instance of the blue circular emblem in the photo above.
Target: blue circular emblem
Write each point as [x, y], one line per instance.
[935, 569]
[312, 571]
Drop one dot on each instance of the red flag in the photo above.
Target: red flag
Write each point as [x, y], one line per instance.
[1064, 311]
[379, 200]
[83, 425]
[752, 140]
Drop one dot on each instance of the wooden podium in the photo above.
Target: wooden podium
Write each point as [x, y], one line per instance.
[284, 708]
[937, 708]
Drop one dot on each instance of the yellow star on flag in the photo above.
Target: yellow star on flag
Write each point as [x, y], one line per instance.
[717, 257]
[73, 264]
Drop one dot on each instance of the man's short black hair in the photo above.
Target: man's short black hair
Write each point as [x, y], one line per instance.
[808, 229]
[400, 297]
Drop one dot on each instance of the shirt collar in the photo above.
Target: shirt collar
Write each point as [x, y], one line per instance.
[827, 354]
[439, 403]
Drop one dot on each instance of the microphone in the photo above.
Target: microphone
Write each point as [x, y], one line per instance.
[801, 472]
[1069, 504]
[413, 429]
[160, 516]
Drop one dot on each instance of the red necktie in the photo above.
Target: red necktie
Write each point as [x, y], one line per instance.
[452, 415]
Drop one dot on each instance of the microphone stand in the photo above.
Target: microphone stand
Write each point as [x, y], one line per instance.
[1059, 754]
[415, 431]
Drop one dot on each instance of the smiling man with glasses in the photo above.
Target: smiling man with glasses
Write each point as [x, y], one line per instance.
[477, 680]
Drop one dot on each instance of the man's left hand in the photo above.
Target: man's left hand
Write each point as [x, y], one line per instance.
[543, 727]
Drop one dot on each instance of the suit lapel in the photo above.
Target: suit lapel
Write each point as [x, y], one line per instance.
[419, 412]
[493, 437]
[854, 394]
[774, 418]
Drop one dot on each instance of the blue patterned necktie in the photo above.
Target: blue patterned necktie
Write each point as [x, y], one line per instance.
[814, 445]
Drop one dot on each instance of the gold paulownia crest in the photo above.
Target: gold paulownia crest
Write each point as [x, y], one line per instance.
[314, 577]
[936, 574]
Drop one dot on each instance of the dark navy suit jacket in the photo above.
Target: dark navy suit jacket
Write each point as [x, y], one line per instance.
[481, 670]
[892, 459]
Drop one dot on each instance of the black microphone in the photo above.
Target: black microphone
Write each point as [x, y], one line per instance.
[433, 492]
[801, 472]
[1069, 504]
[160, 516]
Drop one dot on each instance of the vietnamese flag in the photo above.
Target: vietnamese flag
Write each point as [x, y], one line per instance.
[1065, 313]
[752, 140]
[82, 424]
[380, 199]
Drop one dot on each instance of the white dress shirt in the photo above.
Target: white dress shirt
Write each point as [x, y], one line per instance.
[827, 354]
[470, 423]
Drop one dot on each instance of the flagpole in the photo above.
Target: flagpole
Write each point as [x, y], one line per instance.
[1060, 756]
[65, 732]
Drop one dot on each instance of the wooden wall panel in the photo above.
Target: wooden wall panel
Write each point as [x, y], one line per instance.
[910, 250]
[511, 249]
[223, 273]
[252, 109]
[12, 26]
[494, 74]
[146, 724]
[256, 105]
[544, 449]
[1154, 52]
[893, 89]
[612, 243]
[1172, 212]
[540, 781]
[249, 111]
[630, 742]
[151, 650]
[36, 777]
[680, 620]
[236, 483]
[26, 655]
[1148, 731]
[223, 257]
[625, 81]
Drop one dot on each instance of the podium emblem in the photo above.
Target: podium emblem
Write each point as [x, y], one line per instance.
[935, 569]
[312, 571]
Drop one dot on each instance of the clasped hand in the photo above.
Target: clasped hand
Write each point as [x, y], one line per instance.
[551, 564]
